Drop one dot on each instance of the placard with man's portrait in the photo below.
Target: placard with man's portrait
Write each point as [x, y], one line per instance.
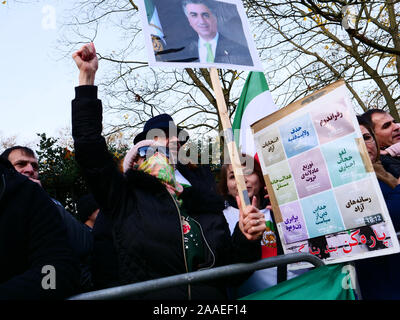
[198, 34]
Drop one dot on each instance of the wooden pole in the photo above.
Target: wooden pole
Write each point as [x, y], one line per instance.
[229, 139]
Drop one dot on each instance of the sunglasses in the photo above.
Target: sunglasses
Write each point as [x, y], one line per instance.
[142, 151]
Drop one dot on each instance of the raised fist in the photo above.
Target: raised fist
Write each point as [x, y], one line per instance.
[87, 63]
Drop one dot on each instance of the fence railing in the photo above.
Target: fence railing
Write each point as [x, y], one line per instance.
[126, 291]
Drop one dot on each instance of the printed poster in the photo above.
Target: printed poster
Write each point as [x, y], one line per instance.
[212, 34]
[324, 193]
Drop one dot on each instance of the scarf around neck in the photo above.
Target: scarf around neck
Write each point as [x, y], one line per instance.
[158, 166]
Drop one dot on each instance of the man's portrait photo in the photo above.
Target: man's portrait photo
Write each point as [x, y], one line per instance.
[199, 33]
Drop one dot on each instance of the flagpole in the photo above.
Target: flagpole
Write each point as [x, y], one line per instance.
[229, 139]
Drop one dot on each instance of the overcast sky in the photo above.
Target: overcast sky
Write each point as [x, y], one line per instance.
[36, 86]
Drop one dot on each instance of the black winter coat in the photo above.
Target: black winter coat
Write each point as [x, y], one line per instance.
[391, 164]
[80, 241]
[32, 236]
[146, 221]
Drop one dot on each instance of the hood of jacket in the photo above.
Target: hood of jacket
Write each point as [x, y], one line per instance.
[8, 185]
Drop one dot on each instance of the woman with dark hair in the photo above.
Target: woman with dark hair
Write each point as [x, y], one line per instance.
[270, 243]
[379, 277]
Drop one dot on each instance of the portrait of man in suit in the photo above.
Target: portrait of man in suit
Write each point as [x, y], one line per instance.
[210, 46]
[198, 33]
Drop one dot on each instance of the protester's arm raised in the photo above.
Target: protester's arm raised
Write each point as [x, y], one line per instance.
[101, 173]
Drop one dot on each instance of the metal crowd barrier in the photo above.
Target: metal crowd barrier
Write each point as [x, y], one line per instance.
[125, 291]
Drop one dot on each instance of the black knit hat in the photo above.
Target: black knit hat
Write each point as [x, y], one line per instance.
[85, 206]
[162, 121]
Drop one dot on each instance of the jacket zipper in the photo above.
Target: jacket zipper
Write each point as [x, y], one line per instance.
[183, 244]
[208, 246]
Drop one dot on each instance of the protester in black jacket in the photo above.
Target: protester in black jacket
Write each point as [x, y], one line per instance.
[149, 223]
[80, 239]
[35, 259]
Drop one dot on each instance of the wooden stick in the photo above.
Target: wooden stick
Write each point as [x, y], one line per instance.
[230, 141]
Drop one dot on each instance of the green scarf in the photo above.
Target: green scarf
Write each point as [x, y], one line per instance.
[158, 166]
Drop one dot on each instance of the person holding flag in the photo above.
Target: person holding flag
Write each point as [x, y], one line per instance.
[270, 242]
[257, 193]
[254, 104]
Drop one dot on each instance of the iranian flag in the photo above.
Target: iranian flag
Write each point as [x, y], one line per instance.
[154, 21]
[255, 103]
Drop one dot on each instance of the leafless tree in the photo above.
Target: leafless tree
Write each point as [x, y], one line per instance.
[308, 44]
[131, 90]
[6, 142]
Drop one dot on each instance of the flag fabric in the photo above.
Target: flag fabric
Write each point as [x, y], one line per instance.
[155, 26]
[328, 282]
[254, 104]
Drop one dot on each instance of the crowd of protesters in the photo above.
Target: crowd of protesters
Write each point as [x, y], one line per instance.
[157, 217]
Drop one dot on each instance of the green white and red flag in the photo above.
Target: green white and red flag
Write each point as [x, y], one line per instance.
[254, 104]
